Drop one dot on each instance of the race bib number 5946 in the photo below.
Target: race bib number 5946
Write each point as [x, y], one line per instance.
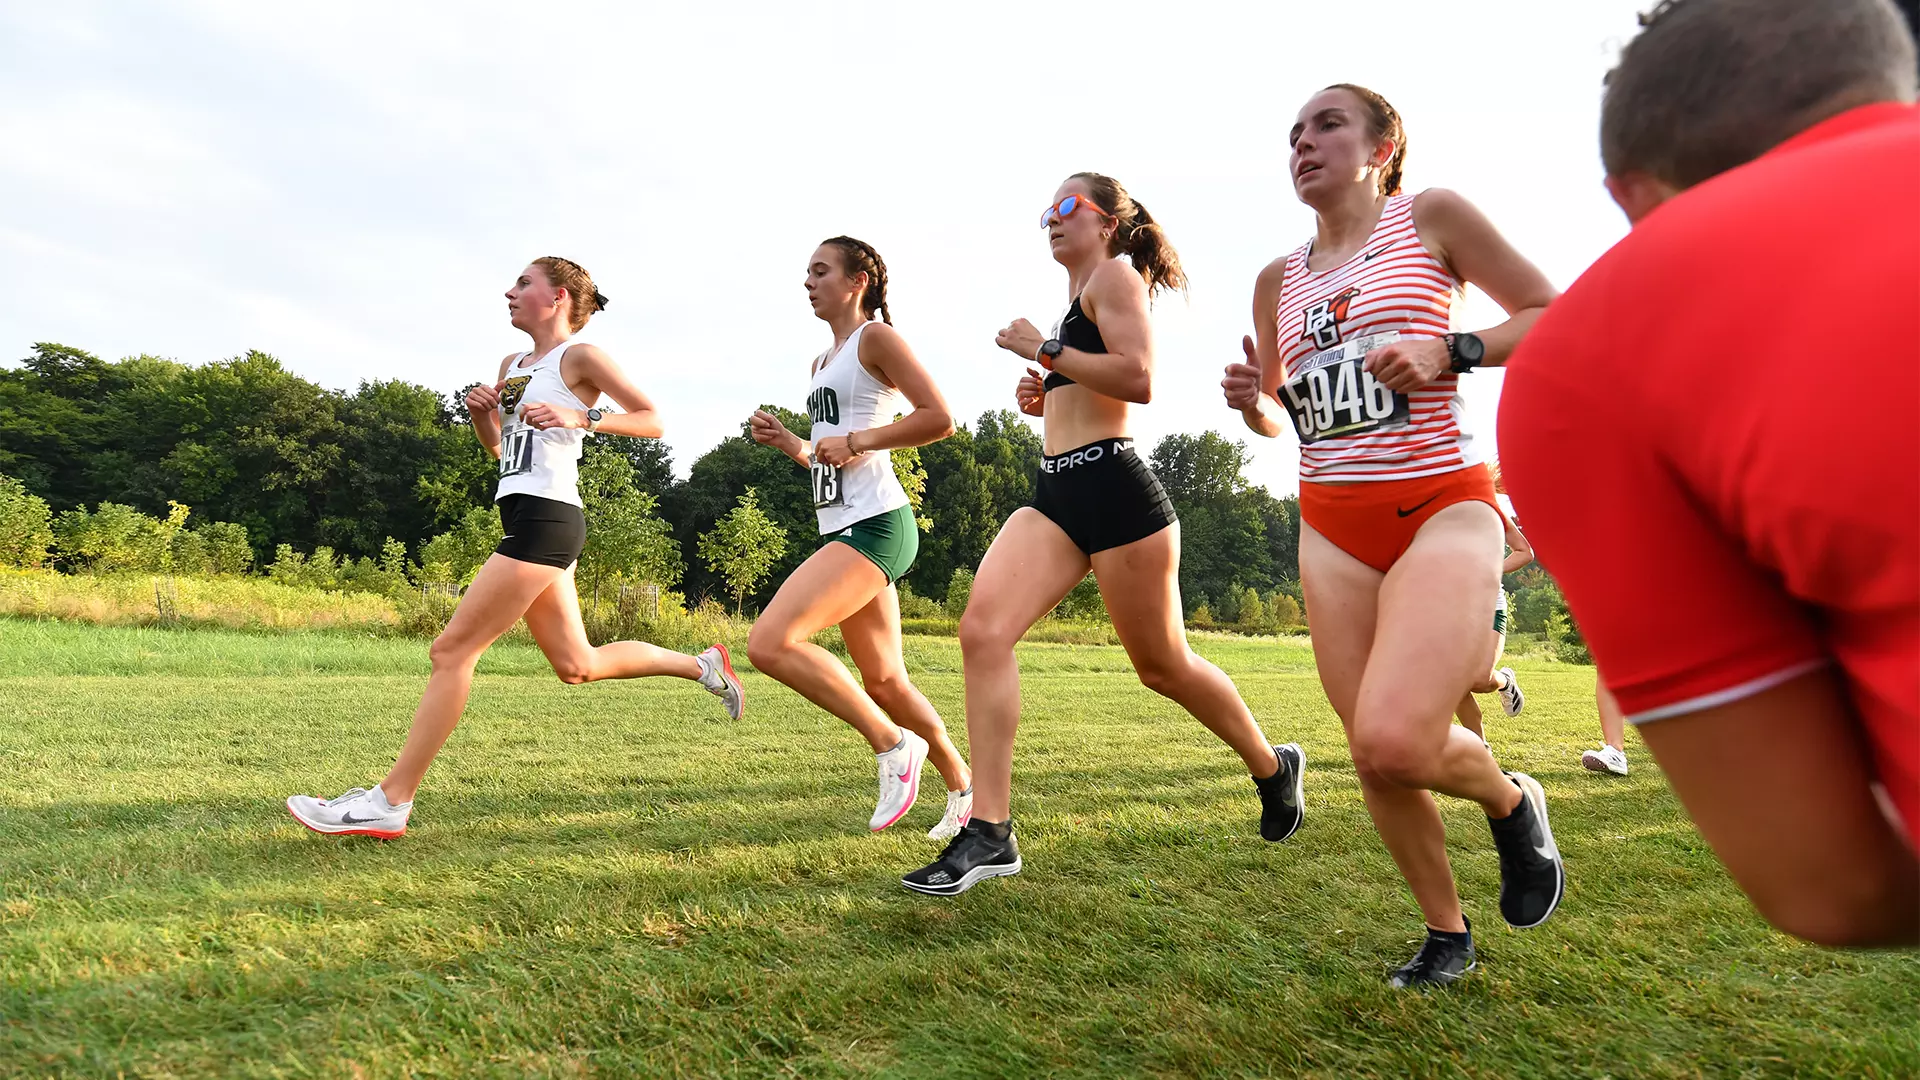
[1331, 393]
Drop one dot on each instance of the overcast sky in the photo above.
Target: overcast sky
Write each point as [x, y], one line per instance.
[351, 186]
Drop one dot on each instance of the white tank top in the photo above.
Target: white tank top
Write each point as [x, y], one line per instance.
[1350, 427]
[845, 398]
[532, 462]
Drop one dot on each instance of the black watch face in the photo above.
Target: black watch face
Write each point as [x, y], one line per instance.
[1468, 348]
[1052, 348]
[595, 415]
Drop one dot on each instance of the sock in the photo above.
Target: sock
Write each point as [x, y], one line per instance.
[1522, 812]
[380, 794]
[994, 830]
[968, 790]
[1462, 937]
[896, 746]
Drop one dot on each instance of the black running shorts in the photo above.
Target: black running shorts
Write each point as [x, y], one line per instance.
[544, 531]
[1102, 495]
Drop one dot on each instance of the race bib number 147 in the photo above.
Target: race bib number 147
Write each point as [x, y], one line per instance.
[1332, 394]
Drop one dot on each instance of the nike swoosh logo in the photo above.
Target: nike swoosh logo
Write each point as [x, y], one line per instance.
[1369, 255]
[1548, 853]
[349, 819]
[904, 777]
[1416, 508]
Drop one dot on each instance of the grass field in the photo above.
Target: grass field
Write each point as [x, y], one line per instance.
[613, 880]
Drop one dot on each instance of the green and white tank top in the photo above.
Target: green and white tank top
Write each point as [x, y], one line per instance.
[845, 398]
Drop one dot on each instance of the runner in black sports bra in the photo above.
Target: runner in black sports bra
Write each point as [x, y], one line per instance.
[1075, 331]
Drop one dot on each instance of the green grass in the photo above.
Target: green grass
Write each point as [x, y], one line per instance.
[612, 880]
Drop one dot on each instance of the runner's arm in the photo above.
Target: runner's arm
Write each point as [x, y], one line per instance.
[1460, 236]
[1522, 553]
[592, 366]
[885, 354]
[1116, 301]
[1263, 413]
[483, 409]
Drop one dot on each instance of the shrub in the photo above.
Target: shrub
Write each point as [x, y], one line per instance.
[1082, 602]
[1202, 618]
[959, 591]
[915, 606]
[26, 526]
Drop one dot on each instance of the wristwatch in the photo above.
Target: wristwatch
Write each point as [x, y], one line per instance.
[594, 416]
[1466, 351]
[1050, 350]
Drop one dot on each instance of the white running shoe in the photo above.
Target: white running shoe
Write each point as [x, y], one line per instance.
[359, 812]
[1511, 699]
[1606, 759]
[716, 674]
[899, 780]
[959, 812]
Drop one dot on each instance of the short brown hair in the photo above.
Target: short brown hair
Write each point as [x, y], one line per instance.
[571, 276]
[1383, 122]
[1137, 235]
[1709, 85]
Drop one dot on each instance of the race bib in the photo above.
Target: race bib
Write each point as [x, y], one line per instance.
[1332, 394]
[516, 451]
[826, 486]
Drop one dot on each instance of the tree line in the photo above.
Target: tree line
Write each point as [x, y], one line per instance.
[147, 464]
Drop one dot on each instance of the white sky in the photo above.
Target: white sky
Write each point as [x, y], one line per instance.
[350, 187]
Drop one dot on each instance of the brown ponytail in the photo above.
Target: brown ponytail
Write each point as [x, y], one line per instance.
[857, 257]
[1383, 122]
[1137, 235]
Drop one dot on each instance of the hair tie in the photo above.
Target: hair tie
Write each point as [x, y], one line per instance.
[599, 301]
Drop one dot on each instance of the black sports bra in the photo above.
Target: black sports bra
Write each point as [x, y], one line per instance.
[1076, 331]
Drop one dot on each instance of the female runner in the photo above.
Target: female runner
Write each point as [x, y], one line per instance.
[534, 418]
[1398, 512]
[1096, 506]
[1500, 681]
[871, 537]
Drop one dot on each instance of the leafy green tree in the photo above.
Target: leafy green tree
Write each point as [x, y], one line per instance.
[743, 547]
[959, 591]
[1224, 544]
[454, 556]
[714, 484]
[26, 525]
[627, 541]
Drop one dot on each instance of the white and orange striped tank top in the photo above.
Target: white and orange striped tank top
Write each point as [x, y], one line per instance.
[1351, 428]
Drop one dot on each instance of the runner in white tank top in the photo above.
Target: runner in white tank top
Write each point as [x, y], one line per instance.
[535, 461]
[533, 419]
[843, 399]
[857, 387]
[1353, 356]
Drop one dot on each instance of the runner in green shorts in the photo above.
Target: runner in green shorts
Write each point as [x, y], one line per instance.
[859, 386]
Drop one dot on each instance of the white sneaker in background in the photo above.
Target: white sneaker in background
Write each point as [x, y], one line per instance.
[1606, 759]
[959, 812]
[1511, 699]
[358, 812]
[899, 780]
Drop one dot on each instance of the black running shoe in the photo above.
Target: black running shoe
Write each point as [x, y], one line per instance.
[1532, 877]
[1442, 959]
[1281, 806]
[969, 857]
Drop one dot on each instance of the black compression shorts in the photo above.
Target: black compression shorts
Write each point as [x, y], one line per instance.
[544, 531]
[1102, 495]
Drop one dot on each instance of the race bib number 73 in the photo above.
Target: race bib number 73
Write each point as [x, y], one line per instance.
[1331, 393]
[826, 485]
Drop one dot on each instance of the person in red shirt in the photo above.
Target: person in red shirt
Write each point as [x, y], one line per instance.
[1711, 437]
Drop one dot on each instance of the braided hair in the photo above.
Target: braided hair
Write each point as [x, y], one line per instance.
[859, 257]
[571, 276]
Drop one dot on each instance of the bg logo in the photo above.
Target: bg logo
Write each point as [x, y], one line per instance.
[1323, 319]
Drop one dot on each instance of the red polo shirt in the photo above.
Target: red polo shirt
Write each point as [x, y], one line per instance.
[1714, 438]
